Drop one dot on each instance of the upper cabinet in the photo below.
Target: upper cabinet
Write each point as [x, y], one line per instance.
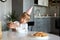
[41, 2]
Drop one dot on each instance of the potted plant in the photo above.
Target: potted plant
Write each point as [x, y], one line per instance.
[12, 16]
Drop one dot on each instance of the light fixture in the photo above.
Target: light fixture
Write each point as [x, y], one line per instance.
[3, 0]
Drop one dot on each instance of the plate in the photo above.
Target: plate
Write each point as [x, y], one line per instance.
[39, 37]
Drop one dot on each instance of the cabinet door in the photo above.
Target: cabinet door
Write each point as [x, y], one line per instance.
[40, 2]
[45, 2]
[42, 24]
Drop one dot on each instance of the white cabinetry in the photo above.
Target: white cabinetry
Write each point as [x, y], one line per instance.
[40, 2]
[43, 2]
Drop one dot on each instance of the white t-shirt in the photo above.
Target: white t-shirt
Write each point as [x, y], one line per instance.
[22, 28]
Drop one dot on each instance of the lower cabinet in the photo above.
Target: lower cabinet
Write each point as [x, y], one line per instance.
[42, 24]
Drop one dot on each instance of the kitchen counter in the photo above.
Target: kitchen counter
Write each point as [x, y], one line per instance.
[46, 17]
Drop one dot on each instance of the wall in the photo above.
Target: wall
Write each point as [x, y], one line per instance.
[5, 8]
[40, 10]
[26, 5]
[17, 5]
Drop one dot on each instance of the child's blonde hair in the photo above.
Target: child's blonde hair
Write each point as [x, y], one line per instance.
[25, 15]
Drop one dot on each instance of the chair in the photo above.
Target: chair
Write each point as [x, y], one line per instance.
[31, 23]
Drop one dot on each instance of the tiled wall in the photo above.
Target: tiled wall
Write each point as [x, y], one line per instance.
[39, 10]
[5, 9]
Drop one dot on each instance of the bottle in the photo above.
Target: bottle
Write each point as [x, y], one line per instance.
[0, 31]
[55, 15]
[47, 15]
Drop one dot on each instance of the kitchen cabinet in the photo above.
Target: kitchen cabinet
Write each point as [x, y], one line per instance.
[43, 2]
[42, 24]
[41, 20]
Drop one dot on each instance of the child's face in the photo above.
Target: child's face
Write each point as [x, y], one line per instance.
[24, 20]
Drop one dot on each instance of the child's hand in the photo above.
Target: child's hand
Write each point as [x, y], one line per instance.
[12, 25]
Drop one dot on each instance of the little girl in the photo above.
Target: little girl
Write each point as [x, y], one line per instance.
[21, 26]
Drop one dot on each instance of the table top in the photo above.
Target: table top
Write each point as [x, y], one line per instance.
[7, 35]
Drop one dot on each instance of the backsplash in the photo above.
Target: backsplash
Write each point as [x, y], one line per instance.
[40, 11]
